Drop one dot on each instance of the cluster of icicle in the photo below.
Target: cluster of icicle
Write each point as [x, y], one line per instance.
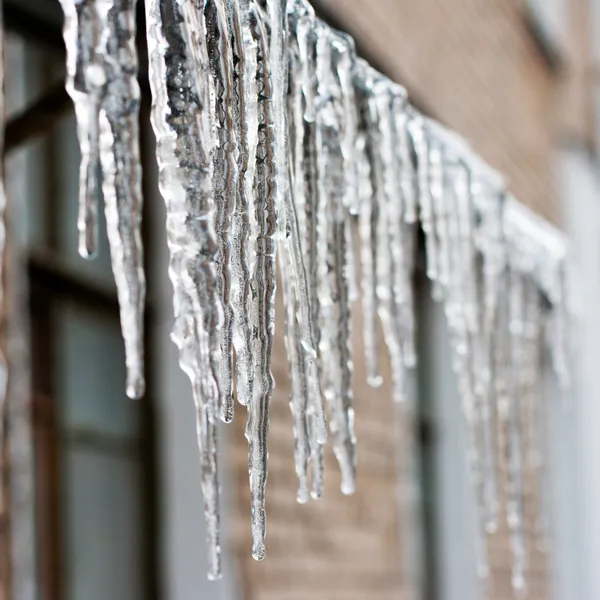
[102, 70]
[275, 142]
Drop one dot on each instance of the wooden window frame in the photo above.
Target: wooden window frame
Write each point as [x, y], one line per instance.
[39, 22]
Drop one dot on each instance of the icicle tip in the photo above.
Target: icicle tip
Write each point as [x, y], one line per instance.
[136, 387]
[258, 550]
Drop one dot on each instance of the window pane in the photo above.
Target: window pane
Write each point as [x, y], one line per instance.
[91, 373]
[550, 17]
[27, 70]
[101, 513]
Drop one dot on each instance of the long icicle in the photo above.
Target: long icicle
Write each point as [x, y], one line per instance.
[492, 249]
[122, 179]
[515, 460]
[306, 398]
[389, 235]
[368, 219]
[225, 180]
[181, 117]
[246, 135]
[292, 243]
[84, 25]
[262, 286]
[334, 307]
[299, 396]
[344, 58]
[401, 228]
[451, 193]
[298, 273]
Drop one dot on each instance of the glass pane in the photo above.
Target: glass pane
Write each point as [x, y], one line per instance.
[102, 527]
[91, 373]
[550, 17]
[27, 73]
[65, 162]
[27, 194]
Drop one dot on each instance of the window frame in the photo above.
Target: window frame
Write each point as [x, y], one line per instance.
[49, 282]
[550, 45]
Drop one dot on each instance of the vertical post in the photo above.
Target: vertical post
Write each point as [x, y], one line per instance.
[449, 498]
[581, 196]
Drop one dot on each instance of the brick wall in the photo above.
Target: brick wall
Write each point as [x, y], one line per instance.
[339, 548]
[474, 65]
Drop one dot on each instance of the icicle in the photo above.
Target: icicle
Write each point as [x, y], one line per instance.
[181, 117]
[514, 506]
[449, 196]
[245, 119]
[558, 332]
[439, 205]
[369, 218]
[389, 249]
[404, 151]
[428, 184]
[102, 71]
[225, 182]
[299, 397]
[533, 417]
[262, 286]
[84, 25]
[296, 270]
[344, 58]
[401, 229]
[492, 249]
[122, 177]
[333, 307]
[302, 216]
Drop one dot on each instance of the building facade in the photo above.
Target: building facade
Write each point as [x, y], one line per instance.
[514, 77]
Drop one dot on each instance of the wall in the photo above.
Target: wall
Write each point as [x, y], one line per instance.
[474, 66]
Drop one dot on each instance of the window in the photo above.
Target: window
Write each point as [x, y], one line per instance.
[578, 515]
[548, 20]
[94, 472]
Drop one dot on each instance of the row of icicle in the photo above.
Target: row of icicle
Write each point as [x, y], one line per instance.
[276, 143]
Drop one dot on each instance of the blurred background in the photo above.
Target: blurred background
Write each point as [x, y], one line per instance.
[113, 487]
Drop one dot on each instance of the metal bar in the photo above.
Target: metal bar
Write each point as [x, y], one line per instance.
[49, 277]
[38, 20]
[37, 119]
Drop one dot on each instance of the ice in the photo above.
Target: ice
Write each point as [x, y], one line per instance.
[181, 117]
[301, 235]
[262, 284]
[102, 81]
[369, 180]
[273, 136]
[225, 178]
[122, 178]
[85, 25]
[245, 129]
[333, 316]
